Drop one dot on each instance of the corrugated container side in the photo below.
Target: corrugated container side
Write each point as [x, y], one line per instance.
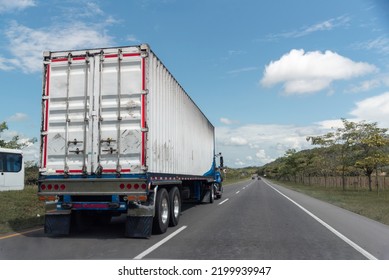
[180, 138]
[106, 107]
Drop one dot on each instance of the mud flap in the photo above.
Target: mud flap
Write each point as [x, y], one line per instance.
[139, 226]
[58, 223]
[207, 197]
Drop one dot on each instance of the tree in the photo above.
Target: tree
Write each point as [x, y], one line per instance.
[14, 143]
[358, 145]
[340, 143]
[371, 145]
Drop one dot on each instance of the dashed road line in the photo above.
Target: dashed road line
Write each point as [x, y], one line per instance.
[223, 201]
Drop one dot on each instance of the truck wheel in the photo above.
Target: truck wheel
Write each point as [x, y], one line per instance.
[212, 194]
[162, 212]
[175, 206]
[220, 191]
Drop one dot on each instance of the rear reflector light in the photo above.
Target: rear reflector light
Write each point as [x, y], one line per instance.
[136, 198]
[133, 186]
[51, 187]
[47, 198]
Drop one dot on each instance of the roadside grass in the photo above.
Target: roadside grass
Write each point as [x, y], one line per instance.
[20, 210]
[363, 202]
[233, 180]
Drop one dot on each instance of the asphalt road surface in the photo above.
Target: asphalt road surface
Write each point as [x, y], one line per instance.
[253, 220]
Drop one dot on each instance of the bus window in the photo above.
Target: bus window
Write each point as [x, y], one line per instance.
[14, 162]
[1, 162]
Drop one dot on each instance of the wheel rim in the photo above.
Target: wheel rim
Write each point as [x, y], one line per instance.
[165, 210]
[176, 205]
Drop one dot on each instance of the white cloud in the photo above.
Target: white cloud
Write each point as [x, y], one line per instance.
[365, 86]
[303, 72]
[27, 44]
[132, 38]
[259, 143]
[380, 44]
[13, 5]
[325, 25]
[236, 141]
[7, 64]
[242, 70]
[373, 109]
[18, 117]
[228, 121]
[78, 27]
[330, 124]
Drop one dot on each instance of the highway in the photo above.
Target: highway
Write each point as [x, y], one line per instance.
[253, 220]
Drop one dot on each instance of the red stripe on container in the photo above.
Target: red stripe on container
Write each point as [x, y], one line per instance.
[46, 117]
[143, 117]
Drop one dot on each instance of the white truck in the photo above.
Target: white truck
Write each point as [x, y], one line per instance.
[11, 169]
[120, 136]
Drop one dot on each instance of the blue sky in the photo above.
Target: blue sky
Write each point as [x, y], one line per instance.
[266, 73]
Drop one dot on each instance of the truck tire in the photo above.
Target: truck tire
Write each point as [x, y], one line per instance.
[212, 194]
[162, 212]
[175, 206]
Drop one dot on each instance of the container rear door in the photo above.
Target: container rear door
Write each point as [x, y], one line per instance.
[120, 113]
[92, 108]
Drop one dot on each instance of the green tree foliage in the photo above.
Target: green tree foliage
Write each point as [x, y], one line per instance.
[372, 150]
[14, 143]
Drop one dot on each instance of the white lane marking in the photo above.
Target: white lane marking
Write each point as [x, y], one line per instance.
[237, 192]
[334, 231]
[155, 246]
[223, 201]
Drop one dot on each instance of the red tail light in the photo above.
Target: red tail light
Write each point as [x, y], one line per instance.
[136, 186]
[129, 186]
[144, 186]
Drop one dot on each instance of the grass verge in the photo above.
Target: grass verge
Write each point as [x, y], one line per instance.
[20, 210]
[369, 204]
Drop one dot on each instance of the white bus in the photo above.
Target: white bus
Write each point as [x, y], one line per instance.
[11, 170]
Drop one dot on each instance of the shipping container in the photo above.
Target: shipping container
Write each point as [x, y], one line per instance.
[121, 136]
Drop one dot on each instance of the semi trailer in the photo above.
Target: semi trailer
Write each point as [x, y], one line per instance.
[121, 137]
